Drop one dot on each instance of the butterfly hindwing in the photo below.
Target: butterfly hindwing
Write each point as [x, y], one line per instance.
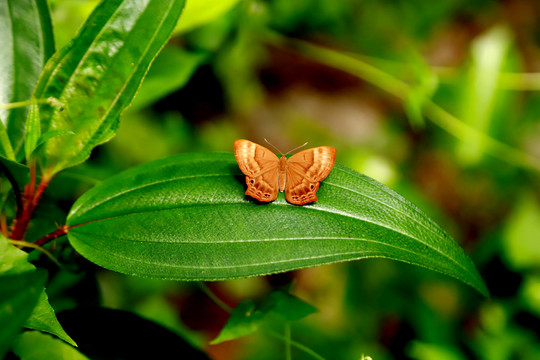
[304, 171]
[260, 166]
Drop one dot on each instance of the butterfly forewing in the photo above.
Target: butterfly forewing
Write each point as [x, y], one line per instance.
[260, 166]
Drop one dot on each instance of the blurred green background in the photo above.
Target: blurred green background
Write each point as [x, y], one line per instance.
[438, 100]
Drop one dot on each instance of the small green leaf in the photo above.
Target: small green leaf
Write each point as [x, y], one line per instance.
[33, 345]
[244, 320]
[33, 131]
[27, 43]
[43, 318]
[14, 261]
[287, 306]
[97, 75]
[186, 218]
[19, 294]
[200, 12]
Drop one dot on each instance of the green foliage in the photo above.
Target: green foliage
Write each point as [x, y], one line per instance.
[95, 85]
[42, 317]
[19, 294]
[28, 43]
[415, 94]
[244, 320]
[32, 131]
[20, 172]
[247, 318]
[33, 345]
[186, 218]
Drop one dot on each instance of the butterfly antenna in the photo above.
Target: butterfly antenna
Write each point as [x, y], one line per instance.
[272, 145]
[296, 148]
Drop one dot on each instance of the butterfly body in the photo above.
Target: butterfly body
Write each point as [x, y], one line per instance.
[298, 176]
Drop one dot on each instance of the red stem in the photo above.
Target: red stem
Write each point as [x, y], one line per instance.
[30, 200]
[55, 234]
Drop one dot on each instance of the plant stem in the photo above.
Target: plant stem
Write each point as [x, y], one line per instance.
[213, 297]
[297, 345]
[20, 104]
[30, 201]
[54, 235]
[288, 341]
[24, 244]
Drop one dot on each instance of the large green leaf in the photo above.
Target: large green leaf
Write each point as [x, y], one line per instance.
[14, 261]
[27, 43]
[19, 294]
[186, 217]
[97, 75]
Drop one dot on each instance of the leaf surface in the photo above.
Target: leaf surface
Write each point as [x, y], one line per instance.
[18, 296]
[43, 318]
[20, 173]
[247, 318]
[96, 76]
[33, 345]
[186, 218]
[27, 43]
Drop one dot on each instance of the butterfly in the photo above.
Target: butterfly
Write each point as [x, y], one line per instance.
[298, 176]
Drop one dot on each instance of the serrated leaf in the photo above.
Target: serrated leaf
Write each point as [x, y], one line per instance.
[186, 218]
[33, 345]
[97, 75]
[27, 43]
[14, 261]
[244, 320]
[19, 294]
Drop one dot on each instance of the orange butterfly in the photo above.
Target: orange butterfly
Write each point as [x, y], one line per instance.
[298, 176]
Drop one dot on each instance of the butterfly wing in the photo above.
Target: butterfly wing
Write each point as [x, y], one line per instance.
[260, 166]
[304, 171]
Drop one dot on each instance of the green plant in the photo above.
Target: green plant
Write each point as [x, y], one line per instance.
[179, 218]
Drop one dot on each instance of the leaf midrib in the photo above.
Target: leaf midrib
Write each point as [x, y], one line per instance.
[311, 208]
[116, 254]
